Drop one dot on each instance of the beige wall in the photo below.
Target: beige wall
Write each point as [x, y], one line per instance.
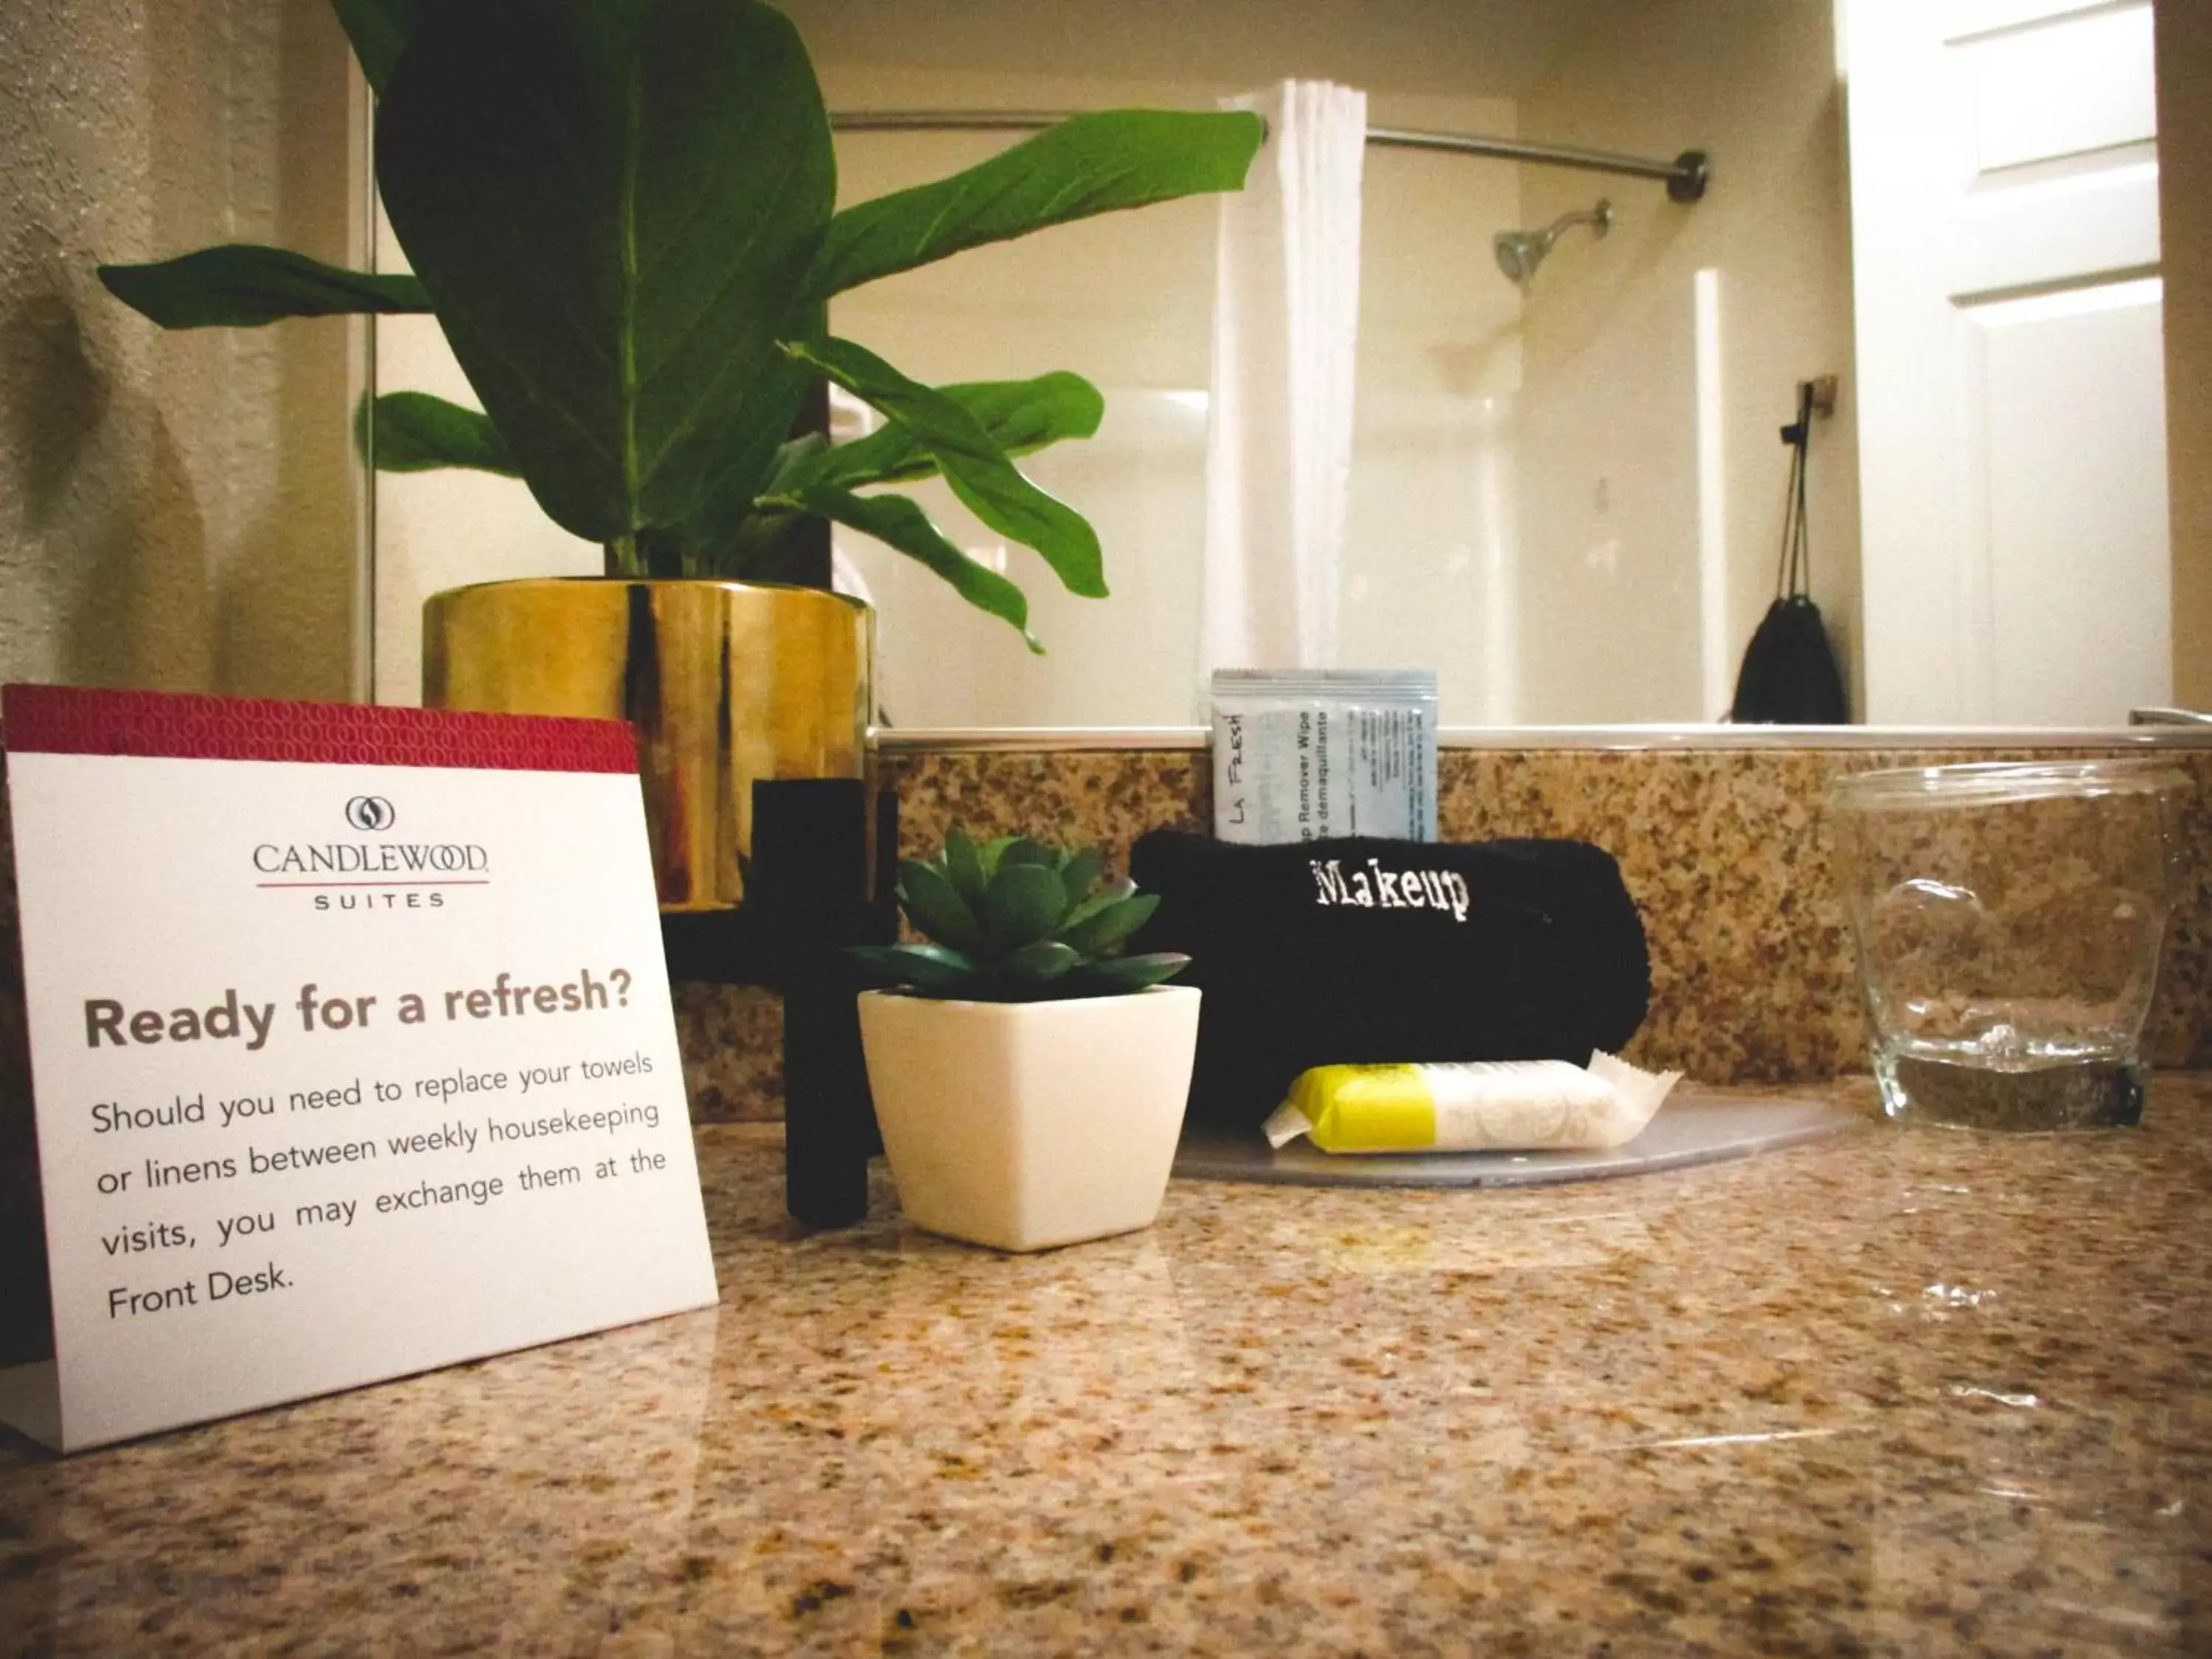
[1450, 49]
[1609, 455]
[2184, 147]
[176, 511]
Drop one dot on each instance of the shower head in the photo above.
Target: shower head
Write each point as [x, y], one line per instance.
[1520, 252]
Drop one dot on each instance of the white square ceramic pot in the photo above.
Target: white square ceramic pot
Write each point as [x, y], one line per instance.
[1025, 1125]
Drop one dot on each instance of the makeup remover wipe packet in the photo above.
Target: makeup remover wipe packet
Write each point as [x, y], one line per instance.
[1312, 754]
[1524, 1105]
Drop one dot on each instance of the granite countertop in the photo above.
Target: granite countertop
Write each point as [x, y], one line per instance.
[1908, 1392]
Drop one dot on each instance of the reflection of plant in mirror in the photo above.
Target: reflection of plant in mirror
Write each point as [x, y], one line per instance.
[1016, 921]
[621, 213]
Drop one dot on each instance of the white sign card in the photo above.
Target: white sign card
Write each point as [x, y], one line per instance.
[351, 1049]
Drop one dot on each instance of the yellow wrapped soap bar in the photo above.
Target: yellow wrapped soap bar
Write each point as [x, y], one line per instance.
[1531, 1105]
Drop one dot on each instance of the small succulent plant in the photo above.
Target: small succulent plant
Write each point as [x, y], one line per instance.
[1016, 921]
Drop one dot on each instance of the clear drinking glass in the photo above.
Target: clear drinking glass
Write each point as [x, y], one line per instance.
[2007, 919]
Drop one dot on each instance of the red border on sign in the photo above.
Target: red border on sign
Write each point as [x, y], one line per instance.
[62, 720]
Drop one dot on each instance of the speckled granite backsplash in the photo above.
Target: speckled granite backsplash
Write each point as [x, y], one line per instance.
[1725, 851]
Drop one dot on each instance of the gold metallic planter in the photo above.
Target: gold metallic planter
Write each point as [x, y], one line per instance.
[726, 683]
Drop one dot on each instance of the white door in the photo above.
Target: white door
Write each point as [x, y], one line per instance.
[2012, 414]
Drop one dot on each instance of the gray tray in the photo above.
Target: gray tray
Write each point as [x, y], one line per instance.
[1689, 1129]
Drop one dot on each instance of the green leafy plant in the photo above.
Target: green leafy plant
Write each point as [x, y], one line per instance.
[621, 212]
[1016, 921]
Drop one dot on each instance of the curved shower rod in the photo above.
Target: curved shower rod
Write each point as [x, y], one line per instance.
[1685, 176]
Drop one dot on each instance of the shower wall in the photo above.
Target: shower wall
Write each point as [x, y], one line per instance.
[1652, 508]
[1431, 553]
[1127, 301]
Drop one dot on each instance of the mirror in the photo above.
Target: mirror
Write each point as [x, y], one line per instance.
[1566, 494]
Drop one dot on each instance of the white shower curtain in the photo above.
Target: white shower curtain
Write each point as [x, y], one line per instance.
[1279, 433]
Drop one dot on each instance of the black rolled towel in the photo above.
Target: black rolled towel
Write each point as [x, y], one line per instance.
[1361, 951]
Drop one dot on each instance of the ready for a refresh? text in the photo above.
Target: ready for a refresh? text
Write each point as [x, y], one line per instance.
[109, 1022]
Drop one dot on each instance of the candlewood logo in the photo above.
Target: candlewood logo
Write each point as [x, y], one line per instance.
[399, 860]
